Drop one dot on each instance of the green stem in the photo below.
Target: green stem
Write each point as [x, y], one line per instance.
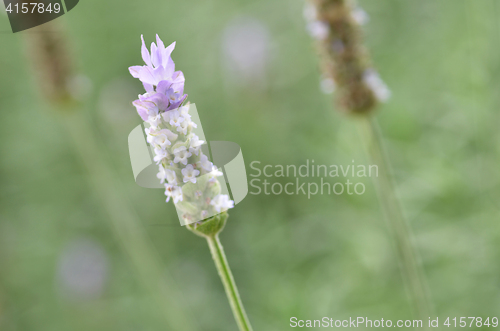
[412, 271]
[229, 284]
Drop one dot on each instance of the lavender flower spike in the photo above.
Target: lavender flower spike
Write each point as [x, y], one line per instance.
[187, 174]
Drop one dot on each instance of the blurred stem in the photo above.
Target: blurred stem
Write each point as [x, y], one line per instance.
[124, 221]
[412, 271]
[229, 284]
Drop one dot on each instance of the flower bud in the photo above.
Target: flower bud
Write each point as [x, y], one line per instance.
[210, 227]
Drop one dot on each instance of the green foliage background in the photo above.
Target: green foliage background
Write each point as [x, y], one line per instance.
[291, 256]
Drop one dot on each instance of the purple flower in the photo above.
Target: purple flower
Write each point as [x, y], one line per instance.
[159, 65]
[156, 100]
[150, 104]
[173, 92]
[164, 85]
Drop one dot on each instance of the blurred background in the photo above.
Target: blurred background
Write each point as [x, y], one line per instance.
[252, 70]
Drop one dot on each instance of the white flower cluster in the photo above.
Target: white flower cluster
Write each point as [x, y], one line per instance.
[181, 162]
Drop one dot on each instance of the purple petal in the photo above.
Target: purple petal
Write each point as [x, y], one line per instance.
[178, 81]
[148, 87]
[163, 86]
[143, 112]
[161, 101]
[158, 99]
[166, 54]
[159, 74]
[170, 94]
[143, 99]
[169, 49]
[178, 77]
[146, 76]
[169, 68]
[160, 44]
[161, 50]
[145, 53]
[178, 88]
[135, 71]
[176, 104]
[183, 98]
[154, 56]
